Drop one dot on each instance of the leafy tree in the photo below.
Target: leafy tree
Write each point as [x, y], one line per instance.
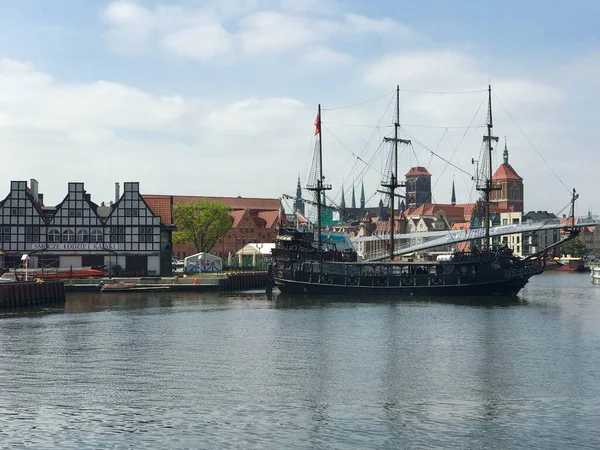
[574, 247]
[200, 223]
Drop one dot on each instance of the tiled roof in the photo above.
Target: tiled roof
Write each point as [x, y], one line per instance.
[235, 202]
[506, 172]
[267, 208]
[417, 171]
[161, 206]
[237, 217]
[270, 218]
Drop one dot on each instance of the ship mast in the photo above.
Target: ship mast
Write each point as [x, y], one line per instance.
[393, 184]
[318, 187]
[488, 187]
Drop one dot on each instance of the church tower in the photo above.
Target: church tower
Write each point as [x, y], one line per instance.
[362, 195]
[453, 198]
[418, 187]
[510, 193]
[298, 203]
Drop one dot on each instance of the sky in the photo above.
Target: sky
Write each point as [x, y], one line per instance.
[219, 98]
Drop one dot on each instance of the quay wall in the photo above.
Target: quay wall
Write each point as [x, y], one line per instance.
[31, 293]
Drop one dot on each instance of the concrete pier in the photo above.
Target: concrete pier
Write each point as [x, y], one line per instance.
[225, 282]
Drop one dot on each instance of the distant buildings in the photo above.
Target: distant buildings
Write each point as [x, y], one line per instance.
[419, 214]
[254, 220]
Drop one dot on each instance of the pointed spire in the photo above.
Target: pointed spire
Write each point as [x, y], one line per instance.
[453, 199]
[362, 195]
[353, 197]
[323, 202]
[343, 200]
[505, 154]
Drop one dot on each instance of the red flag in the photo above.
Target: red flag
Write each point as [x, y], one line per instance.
[317, 125]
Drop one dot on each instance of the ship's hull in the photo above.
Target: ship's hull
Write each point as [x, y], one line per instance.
[494, 288]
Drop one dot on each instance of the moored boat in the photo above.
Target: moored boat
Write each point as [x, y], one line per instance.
[569, 264]
[60, 273]
[304, 262]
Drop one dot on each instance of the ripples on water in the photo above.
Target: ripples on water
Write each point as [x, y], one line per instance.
[244, 371]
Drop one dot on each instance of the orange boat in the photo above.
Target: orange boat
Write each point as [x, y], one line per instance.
[569, 264]
[52, 273]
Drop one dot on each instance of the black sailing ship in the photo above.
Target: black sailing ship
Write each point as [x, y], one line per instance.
[302, 264]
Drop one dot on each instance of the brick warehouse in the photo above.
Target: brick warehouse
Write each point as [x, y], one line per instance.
[79, 233]
[253, 221]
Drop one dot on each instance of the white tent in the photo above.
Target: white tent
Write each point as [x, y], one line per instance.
[203, 262]
[257, 249]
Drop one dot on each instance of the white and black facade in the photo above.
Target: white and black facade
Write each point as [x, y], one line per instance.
[78, 233]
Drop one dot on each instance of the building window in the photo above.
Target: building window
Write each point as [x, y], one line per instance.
[83, 236]
[142, 238]
[114, 230]
[127, 213]
[114, 238]
[36, 238]
[149, 238]
[142, 230]
[28, 238]
[68, 236]
[135, 212]
[79, 213]
[121, 230]
[71, 213]
[121, 238]
[53, 236]
[28, 230]
[97, 236]
[14, 211]
[36, 230]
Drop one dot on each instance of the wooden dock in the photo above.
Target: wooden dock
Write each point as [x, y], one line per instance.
[31, 293]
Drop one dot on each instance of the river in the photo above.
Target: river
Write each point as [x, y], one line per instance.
[172, 370]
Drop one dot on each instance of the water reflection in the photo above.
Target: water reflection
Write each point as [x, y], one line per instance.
[94, 302]
[292, 301]
[223, 370]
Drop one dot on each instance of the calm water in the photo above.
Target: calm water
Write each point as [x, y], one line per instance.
[242, 371]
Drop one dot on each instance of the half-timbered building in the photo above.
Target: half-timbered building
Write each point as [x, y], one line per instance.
[79, 233]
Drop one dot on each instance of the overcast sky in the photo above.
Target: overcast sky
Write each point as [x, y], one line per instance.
[219, 97]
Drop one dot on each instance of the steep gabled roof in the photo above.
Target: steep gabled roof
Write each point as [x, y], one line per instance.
[506, 172]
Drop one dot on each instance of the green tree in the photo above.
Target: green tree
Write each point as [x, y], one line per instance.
[574, 247]
[200, 223]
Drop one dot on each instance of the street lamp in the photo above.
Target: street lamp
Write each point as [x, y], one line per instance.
[259, 247]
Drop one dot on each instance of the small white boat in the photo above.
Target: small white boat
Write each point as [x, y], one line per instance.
[595, 274]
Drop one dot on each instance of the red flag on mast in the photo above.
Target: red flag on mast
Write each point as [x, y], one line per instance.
[317, 125]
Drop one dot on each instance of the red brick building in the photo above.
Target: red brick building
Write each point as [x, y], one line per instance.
[253, 220]
[510, 195]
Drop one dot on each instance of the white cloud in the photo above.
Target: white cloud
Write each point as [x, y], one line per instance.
[201, 34]
[110, 132]
[361, 24]
[269, 31]
[202, 38]
[326, 55]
